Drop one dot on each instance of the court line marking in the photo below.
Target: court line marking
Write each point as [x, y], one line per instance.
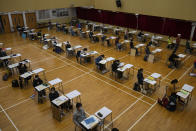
[9, 118]
[175, 69]
[123, 112]
[34, 62]
[64, 83]
[142, 117]
[94, 72]
[185, 73]
[45, 72]
[121, 90]
[103, 80]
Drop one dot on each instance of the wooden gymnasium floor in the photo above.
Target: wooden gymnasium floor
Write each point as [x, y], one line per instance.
[131, 110]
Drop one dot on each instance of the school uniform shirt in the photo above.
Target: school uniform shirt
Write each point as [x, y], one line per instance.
[98, 59]
[37, 82]
[140, 78]
[79, 116]
[53, 96]
[169, 41]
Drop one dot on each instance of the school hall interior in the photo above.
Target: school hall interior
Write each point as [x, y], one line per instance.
[97, 65]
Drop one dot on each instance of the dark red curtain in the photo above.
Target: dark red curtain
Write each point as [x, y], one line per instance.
[173, 27]
[194, 36]
[150, 23]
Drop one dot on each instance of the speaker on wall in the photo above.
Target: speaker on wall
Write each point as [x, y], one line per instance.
[118, 3]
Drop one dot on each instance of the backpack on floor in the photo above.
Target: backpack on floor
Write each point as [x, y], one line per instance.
[137, 87]
[5, 77]
[145, 57]
[15, 83]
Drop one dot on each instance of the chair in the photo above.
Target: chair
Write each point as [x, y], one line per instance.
[151, 58]
[133, 52]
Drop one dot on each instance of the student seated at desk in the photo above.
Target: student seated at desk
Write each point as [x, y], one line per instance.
[65, 30]
[79, 115]
[140, 36]
[115, 65]
[95, 39]
[53, 94]
[193, 72]
[39, 35]
[87, 58]
[91, 35]
[126, 35]
[103, 38]
[68, 45]
[22, 68]
[133, 47]
[49, 25]
[2, 54]
[154, 42]
[147, 51]
[173, 60]
[36, 82]
[108, 42]
[101, 67]
[116, 31]
[170, 43]
[140, 77]
[188, 49]
[119, 46]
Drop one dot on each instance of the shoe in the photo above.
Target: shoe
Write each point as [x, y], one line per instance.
[33, 96]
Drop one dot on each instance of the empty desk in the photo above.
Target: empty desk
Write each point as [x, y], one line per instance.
[58, 82]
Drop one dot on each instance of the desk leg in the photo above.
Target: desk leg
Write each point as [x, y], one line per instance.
[112, 120]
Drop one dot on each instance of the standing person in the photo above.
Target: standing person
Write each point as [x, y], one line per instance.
[140, 77]
[178, 40]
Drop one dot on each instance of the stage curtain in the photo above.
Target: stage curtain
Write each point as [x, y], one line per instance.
[174, 27]
[150, 23]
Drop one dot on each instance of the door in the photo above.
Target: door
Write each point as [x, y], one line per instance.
[31, 20]
[5, 23]
[17, 19]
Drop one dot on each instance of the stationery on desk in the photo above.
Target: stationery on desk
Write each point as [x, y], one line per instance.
[41, 87]
[90, 122]
[60, 100]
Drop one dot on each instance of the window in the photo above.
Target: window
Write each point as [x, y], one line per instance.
[60, 12]
[44, 14]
